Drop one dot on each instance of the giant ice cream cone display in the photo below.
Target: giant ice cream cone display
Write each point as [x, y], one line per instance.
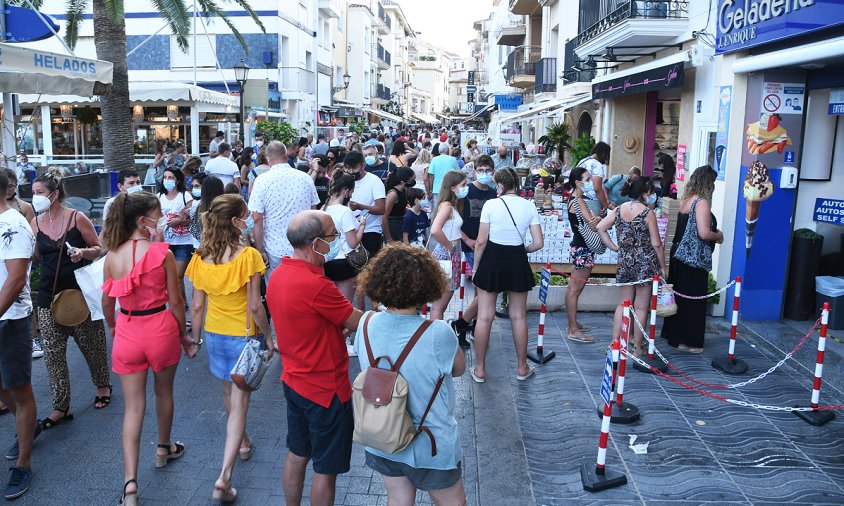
[757, 189]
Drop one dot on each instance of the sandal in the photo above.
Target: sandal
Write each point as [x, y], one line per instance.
[103, 400]
[246, 451]
[162, 460]
[130, 499]
[522, 377]
[581, 338]
[582, 328]
[688, 349]
[475, 377]
[49, 423]
[228, 494]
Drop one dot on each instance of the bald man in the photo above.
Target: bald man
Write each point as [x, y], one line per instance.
[311, 317]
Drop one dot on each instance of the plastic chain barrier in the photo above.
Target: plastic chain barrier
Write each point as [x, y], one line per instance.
[701, 297]
[630, 283]
[728, 400]
[743, 383]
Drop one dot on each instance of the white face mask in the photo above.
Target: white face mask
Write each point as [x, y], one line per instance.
[159, 225]
[259, 143]
[134, 189]
[40, 203]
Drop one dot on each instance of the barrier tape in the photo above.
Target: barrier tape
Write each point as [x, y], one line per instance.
[725, 399]
[701, 297]
[776, 366]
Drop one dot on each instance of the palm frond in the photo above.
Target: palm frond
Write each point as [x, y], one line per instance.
[75, 13]
[115, 10]
[178, 17]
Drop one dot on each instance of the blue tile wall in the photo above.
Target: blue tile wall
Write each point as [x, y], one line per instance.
[229, 50]
[154, 55]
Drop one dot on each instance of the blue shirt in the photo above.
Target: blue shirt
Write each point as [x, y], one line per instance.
[432, 357]
[415, 225]
[439, 166]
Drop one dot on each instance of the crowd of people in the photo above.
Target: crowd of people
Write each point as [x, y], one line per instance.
[322, 250]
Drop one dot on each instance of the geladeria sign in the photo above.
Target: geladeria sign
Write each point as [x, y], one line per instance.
[743, 24]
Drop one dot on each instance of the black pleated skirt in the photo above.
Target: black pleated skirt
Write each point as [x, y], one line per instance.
[504, 269]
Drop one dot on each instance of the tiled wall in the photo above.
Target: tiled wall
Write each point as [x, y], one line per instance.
[155, 54]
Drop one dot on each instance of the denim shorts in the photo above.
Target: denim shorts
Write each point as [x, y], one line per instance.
[182, 252]
[223, 352]
[421, 478]
[16, 353]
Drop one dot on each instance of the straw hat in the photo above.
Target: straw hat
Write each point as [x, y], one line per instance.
[631, 144]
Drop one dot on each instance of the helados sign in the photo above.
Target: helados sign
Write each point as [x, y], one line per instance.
[745, 23]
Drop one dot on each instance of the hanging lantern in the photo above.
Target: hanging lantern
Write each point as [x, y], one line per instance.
[67, 111]
[172, 112]
[138, 113]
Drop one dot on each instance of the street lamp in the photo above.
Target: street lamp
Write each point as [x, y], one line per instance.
[338, 89]
[241, 72]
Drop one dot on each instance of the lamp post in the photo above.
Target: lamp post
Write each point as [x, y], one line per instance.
[241, 72]
[338, 89]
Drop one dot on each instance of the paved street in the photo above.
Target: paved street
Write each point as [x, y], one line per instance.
[523, 442]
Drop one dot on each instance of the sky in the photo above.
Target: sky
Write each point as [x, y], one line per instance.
[446, 23]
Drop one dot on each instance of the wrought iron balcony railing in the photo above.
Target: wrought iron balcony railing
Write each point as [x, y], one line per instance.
[598, 16]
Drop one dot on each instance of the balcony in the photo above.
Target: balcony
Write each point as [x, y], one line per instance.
[572, 71]
[610, 23]
[546, 76]
[511, 32]
[383, 57]
[384, 24]
[524, 7]
[330, 8]
[520, 69]
[379, 94]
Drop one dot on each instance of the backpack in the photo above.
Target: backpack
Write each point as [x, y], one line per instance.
[379, 399]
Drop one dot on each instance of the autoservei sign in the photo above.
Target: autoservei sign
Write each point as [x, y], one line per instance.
[829, 211]
[746, 23]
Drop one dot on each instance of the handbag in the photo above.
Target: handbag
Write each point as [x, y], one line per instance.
[358, 257]
[591, 237]
[666, 304]
[68, 306]
[692, 251]
[253, 362]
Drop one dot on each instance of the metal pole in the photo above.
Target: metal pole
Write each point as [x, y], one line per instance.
[194, 42]
[242, 113]
[9, 145]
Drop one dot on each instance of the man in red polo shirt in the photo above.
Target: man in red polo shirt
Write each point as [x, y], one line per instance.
[310, 317]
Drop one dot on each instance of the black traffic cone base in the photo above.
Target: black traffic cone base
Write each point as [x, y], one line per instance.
[625, 414]
[816, 418]
[541, 356]
[594, 482]
[655, 362]
[730, 366]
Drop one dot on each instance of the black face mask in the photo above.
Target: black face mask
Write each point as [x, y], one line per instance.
[347, 200]
[359, 175]
[410, 184]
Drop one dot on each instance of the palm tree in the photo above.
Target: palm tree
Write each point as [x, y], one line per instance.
[110, 42]
[556, 139]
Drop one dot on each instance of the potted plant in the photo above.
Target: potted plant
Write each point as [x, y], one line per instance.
[582, 147]
[556, 139]
[803, 265]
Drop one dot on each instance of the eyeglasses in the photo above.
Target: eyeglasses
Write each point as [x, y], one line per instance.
[484, 171]
[332, 236]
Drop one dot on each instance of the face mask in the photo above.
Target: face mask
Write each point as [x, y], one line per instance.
[651, 199]
[333, 248]
[259, 143]
[134, 189]
[588, 187]
[410, 184]
[159, 225]
[370, 160]
[196, 192]
[484, 179]
[462, 192]
[169, 184]
[40, 203]
[249, 224]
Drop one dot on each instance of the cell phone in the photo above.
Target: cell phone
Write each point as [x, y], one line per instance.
[69, 248]
[363, 213]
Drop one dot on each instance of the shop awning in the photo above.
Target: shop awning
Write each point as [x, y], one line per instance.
[383, 114]
[480, 111]
[424, 118]
[145, 91]
[796, 55]
[25, 70]
[551, 105]
[657, 75]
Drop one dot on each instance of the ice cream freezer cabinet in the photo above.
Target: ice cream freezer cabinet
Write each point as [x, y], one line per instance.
[764, 213]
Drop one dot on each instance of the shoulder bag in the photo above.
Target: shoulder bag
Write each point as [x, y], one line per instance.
[380, 397]
[68, 307]
[253, 362]
[692, 250]
[591, 237]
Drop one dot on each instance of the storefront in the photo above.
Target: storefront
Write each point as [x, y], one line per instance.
[57, 129]
[787, 70]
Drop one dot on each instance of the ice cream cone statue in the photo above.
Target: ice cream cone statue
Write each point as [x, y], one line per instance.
[757, 189]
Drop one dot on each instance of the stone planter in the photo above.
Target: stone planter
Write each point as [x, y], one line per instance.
[593, 298]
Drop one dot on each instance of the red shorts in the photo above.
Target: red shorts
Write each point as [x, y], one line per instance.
[145, 342]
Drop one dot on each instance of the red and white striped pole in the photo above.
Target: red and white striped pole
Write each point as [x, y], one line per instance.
[425, 311]
[599, 478]
[541, 357]
[816, 416]
[462, 284]
[653, 363]
[732, 365]
[622, 412]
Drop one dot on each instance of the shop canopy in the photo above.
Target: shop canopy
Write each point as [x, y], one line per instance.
[383, 114]
[482, 110]
[145, 91]
[25, 70]
[549, 107]
[424, 118]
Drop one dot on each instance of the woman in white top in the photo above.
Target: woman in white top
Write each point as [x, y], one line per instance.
[175, 206]
[338, 269]
[446, 230]
[420, 167]
[502, 266]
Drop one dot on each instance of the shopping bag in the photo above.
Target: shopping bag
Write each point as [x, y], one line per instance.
[90, 281]
[666, 305]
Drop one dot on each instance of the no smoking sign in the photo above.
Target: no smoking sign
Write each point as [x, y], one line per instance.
[783, 98]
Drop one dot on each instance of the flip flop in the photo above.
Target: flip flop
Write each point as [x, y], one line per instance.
[103, 400]
[581, 338]
[475, 377]
[582, 328]
[531, 372]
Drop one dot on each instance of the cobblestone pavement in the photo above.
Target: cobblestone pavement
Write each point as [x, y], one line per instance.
[523, 442]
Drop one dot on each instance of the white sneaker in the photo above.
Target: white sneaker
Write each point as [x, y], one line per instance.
[37, 349]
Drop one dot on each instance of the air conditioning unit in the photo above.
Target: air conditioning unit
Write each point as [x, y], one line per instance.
[701, 54]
